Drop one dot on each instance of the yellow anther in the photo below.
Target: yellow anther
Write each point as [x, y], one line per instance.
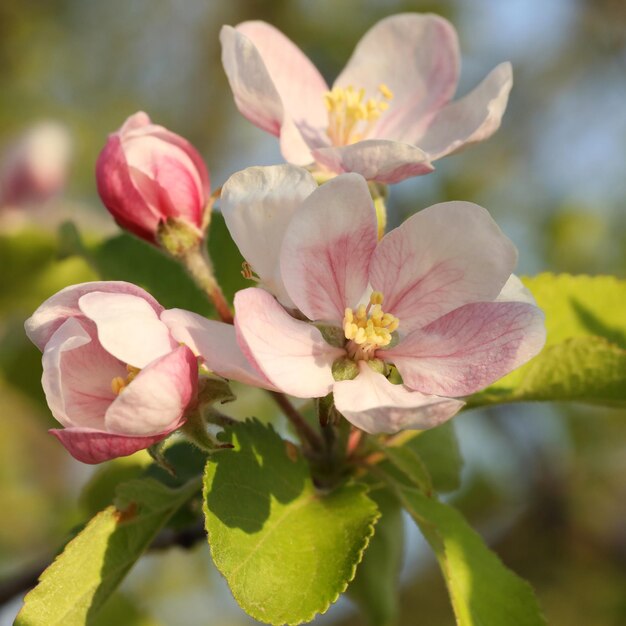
[351, 116]
[360, 337]
[376, 297]
[385, 91]
[118, 384]
[368, 327]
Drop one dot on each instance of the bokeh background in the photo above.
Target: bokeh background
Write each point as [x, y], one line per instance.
[544, 484]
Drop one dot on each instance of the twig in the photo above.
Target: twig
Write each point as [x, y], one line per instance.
[167, 538]
[303, 428]
[198, 264]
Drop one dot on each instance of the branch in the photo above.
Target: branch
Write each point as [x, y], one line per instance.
[25, 580]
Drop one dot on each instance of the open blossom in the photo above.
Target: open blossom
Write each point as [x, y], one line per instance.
[34, 167]
[388, 114]
[113, 375]
[435, 298]
[147, 175]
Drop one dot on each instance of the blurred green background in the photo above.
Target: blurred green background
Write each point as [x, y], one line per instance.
[544, 484]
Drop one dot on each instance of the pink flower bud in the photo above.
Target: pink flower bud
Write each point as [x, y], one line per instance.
[147, 175]
[113, 375]
[34, 167]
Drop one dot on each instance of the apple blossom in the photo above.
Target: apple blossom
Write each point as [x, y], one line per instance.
[389, 113]
[113, 375]
[435, 298]
[34, 167]
[148, 176]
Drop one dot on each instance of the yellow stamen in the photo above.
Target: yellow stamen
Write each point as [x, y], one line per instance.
[369, 327]
[118, 384]
[350, 116]
[385, 91]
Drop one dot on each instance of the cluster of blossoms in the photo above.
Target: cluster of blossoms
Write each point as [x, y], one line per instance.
[399, 327]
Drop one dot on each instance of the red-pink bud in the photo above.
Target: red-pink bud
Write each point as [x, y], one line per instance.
[147, 174]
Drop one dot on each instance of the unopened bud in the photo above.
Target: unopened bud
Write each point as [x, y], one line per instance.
[345, 369]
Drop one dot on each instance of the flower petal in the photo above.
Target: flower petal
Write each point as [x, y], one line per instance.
[299, 85]
[216, 343]
[119, 194]
[94, 446]
[514, 291]
[255, 94]
[41, 325]
[471, 119]
[376, 159]
[374, 405]
[327, 248]
[156, 400]
[258, 204]
[292, 354]
[77, 375]
[128, 327]
[439, 259]
[469, 348]
[417, 57]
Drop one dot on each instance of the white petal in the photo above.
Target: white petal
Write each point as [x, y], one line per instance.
[128, 327]
[473, 118]
[291, 353]
[327, 248]
[374, 405]
[257, 204]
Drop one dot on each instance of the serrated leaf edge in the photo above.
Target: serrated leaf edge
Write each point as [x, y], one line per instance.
[366, 540]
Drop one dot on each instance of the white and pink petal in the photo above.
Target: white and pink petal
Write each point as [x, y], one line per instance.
[258, 204]
[216, 343]
[77, 375]
[155, 401]
[439, 259]
[128, 327]
[292, 354]
[327, 248]
[381, 160]
[471, 119]
[417, 58]
[373, 404]
[93, 446]
[469, 348]
[41, 325]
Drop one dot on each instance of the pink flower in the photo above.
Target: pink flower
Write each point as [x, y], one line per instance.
[435, 297]
[34, 168]
[388, 114]
[112, 373]
[147, 175]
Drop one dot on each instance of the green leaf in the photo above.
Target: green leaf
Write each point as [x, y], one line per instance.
[126, 258]
[581, 306]
[409, 464]
[439, 451]
[121, 610]
[584, 359]
[483, 591]
[286, 549]
[74, 588]
[99, 491]
[376, 585]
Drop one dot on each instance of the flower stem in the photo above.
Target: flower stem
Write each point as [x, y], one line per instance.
[379, 194]
[199, 266]
[197, 262]
[305, 431]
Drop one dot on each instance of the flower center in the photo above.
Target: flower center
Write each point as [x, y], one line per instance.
[350, 116]
[368, 328]
[118, 384]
